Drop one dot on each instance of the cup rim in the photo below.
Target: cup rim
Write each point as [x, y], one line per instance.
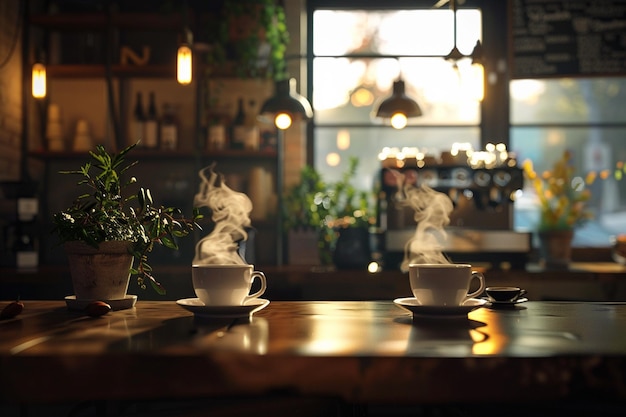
[497, 288]
[222, 266]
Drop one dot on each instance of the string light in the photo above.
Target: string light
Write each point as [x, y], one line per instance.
[184, 60]
[39, 80]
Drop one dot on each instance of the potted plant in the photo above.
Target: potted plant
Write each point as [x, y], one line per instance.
[305, 211]
[351, 217]
[562, 202]
[338, 213]
[253, 36]
[104, 230]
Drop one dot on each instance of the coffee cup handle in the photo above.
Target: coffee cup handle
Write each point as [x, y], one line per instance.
[261, 276]
[481, 279]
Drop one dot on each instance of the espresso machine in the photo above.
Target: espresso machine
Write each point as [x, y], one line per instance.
[482, 187]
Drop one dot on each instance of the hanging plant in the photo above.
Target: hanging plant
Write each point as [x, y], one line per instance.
[252, 36]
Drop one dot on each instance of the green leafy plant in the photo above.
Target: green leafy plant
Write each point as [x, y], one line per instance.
[350, 207]
[327, 207]
[245, 28]
[105, 214]
[316, 203]
[304, 204]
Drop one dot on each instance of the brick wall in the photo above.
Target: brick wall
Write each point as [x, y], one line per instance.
[10, 90]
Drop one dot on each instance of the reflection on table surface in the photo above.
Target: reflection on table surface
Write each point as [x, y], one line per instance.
[358, 351]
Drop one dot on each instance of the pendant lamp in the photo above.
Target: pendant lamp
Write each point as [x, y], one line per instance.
[281, 109]
[474, 79]
[286, 104]
[455, 55]
[399, 107]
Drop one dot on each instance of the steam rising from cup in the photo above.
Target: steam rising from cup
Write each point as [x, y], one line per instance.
[432, 213]
[230, 213]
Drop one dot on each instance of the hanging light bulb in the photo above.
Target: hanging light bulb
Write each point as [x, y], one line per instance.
[399, 121]
[398, 107]
[39, 80]
[454, 55]
[184, 59]
[285, 104]
[471, 78]
[283, 121]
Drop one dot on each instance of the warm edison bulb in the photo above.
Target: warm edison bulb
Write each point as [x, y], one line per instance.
[39, 80]
[183, 65]
[398, 121]
[282, 121]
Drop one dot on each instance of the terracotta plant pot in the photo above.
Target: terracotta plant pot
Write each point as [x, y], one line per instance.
[99, 274]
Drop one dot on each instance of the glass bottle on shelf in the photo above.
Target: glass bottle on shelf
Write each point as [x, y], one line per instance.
[252, 129]
[151, 126]
[169, 128]
[26, 246]
[238, 130]
[137, 122]
[216, 131]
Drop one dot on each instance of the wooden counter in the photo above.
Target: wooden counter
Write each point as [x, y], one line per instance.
[368, 353]
[584, 281]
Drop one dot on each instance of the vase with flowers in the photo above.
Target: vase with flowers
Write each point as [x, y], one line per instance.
[563, 201]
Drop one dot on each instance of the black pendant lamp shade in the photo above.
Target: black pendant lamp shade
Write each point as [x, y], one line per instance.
[287, 100]
[399, 102]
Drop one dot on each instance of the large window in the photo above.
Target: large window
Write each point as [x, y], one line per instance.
[354, 66]
[586, 117]
[358, 54]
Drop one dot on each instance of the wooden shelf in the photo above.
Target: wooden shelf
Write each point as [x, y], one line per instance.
[68, 22]
[136, 28]
[99, 71]
[158, 154]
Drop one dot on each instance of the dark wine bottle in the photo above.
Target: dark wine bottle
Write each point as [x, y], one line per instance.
[151, 126]
[169, 128]
[238, 128]
[137, 122]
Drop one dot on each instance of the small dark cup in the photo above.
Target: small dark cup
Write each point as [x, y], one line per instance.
[504, 294]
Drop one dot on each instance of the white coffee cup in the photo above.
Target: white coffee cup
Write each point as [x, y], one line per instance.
[226, 285]
[443, 284]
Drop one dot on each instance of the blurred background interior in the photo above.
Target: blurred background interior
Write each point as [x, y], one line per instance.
[502, 81]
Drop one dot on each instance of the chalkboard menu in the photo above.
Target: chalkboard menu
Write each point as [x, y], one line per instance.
[552, 38]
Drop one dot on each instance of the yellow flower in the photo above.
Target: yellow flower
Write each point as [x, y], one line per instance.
[562, 198]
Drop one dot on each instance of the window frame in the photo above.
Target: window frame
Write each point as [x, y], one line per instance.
[495, 113]
[494, 109]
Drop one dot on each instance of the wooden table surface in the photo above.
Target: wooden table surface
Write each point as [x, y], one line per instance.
[360, 352]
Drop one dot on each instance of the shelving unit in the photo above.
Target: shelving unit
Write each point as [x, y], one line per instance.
[118, 71]
[82, 91]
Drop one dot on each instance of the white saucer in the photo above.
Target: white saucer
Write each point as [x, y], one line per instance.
[412, 305]
[121, 304]
[494, 303]
[198, 308]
